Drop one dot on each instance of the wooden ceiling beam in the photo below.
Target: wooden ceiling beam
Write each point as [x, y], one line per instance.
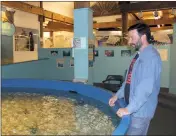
[155, 22]
[59, 25]
[55, 30]
[37, 10]
[119, 24]
[46, 30]
[135, 16]
[147, 6]
[107, 25]
[154, 29]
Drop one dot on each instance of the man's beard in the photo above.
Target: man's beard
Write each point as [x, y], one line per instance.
[135, 47]
[138, 45]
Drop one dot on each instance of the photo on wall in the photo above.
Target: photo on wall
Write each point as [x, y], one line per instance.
[76, 43]
[125, 53]
[90, 63]
[72, 63]
[26, 39]
[109, 53]
[96, 53]
[54, 53]
[60, 63]
[66, 53]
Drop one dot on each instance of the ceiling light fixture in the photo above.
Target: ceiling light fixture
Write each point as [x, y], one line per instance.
[173, 12]
[155, 13]
[140, 14]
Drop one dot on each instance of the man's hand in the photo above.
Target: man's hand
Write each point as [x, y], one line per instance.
[112, 100]
[122, 111]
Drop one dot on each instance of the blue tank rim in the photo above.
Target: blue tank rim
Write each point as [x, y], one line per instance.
[89, 90]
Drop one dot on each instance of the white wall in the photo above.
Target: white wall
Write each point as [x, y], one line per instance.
[63, 8]
[26, 20]
[62, 39]
[107, 33]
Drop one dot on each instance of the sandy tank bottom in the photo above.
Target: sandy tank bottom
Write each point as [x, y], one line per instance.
[36, 114]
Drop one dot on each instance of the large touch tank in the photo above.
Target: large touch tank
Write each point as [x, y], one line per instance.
[45, 107]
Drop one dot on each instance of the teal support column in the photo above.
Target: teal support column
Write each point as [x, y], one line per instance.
[83, 29]
[172, 88]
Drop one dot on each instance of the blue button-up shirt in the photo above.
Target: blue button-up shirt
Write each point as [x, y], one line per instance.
[145, 84]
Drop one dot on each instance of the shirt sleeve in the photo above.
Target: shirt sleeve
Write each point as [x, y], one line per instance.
[120, 92]
[150, 71]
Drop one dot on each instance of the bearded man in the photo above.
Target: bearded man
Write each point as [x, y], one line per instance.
[142, 83]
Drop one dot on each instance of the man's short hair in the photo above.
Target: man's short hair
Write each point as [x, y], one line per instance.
[142, 29]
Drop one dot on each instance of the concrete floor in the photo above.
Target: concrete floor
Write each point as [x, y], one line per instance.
[164, 122]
